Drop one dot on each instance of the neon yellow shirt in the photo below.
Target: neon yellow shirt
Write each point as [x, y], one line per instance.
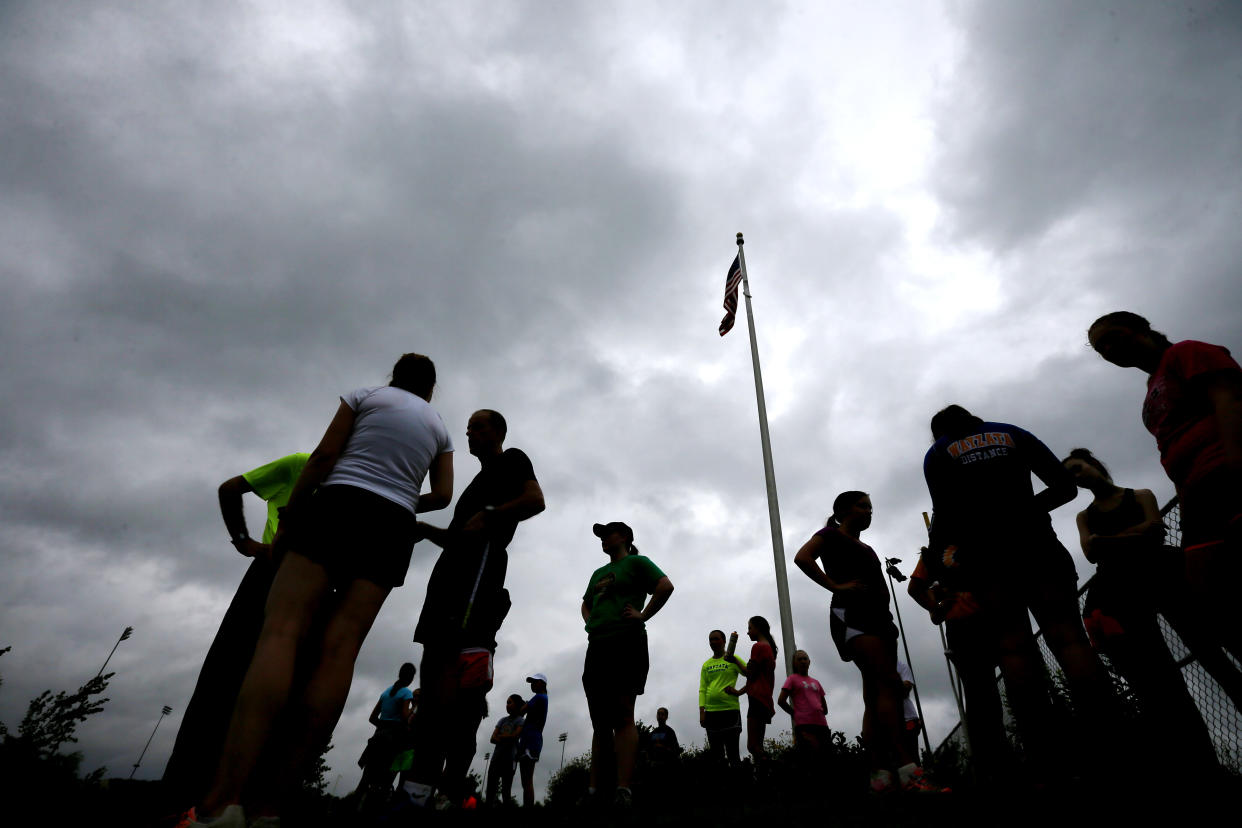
[716, 675]
[274, 483]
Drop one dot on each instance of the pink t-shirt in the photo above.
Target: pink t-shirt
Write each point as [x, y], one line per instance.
[806, 697]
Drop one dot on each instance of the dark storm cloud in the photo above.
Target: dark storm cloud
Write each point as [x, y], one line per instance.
[217, 220]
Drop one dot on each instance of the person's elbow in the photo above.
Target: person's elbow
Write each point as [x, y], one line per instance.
[233, 487]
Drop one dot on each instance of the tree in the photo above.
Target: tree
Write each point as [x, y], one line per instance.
[52, 720]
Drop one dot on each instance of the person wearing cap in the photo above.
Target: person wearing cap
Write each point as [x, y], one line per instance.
[530, 741]
[466, 603]
[615, 671]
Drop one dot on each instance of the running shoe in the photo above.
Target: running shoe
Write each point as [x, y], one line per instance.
[882, 782]
[917, 782]
[231, 817]
[623, 801]
[186, 818]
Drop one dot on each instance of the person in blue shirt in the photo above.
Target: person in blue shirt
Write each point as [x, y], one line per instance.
[390, 717]
[991, 534]
[530, 741]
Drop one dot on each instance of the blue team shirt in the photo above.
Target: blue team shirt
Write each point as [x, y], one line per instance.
[531, 738]
[980, 485]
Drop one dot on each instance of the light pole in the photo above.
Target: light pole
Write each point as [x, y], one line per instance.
[890, 568]
[126, 633]
[562, 739]
[163, 713]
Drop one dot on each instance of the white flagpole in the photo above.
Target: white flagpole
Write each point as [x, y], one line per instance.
[774, 512]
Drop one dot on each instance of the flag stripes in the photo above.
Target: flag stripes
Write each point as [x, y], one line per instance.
[732, 280]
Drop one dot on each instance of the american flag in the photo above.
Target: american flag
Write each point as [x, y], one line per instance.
[730, 301]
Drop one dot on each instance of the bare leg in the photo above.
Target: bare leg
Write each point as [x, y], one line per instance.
[755, 730]
[625, 742]
[877, 660]
[328, 686]
[527, 768]
[297, 593]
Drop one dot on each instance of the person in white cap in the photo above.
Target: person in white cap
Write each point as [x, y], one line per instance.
[530, 742]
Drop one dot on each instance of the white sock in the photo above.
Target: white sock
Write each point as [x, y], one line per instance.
[906, 771]
[417, 791]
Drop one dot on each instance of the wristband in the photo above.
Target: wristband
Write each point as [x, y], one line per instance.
[241, 536]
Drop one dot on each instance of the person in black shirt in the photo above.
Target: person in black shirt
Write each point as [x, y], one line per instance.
[662, 743]
[862, 629]
[465, 605]
[1122, 533]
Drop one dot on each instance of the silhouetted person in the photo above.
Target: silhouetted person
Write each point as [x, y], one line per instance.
[504, 752]
[760, 683]
[974, 647]
[615, 671]
[530, 743]
[1194, 409]
[863, 631]
[346, 535]
[391, 719]
[992, 532]
[196, 753]
[1122, 533]
[465, 605]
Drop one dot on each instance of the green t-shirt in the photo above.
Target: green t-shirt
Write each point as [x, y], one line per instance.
[274, 483]
[716, 675]
[617, 583]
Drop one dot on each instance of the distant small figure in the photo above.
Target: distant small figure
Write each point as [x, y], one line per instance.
[504, 753]
[1194, 410]
[662, 745]
[719, 709]
[530, 743]
[196, 752]
[390, 718]
[803, 698]
[615, 671]
[909, 711]
[760, 682]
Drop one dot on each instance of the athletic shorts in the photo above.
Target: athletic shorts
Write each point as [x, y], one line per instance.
[759, 712]
[722, 721]
[356, 534]
[812, 736]
[614, 673]
[847, 623]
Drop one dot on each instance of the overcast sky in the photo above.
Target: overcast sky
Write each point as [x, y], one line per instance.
[216, 218]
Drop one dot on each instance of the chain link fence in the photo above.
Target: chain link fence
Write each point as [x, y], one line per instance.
[1222, 717]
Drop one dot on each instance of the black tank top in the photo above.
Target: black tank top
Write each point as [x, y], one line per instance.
[1127, 514]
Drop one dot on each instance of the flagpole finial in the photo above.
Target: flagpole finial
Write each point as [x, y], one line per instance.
[740, 240]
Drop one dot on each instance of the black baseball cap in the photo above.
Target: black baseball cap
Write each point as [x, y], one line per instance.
[603, 530]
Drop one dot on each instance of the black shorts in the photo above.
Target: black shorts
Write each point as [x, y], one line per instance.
[357, 534]
[722, 721]
[758, 711]
[614, 673]
[846, 623]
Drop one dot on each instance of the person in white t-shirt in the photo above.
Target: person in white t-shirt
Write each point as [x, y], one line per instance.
[909, 709]
[344, 543]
